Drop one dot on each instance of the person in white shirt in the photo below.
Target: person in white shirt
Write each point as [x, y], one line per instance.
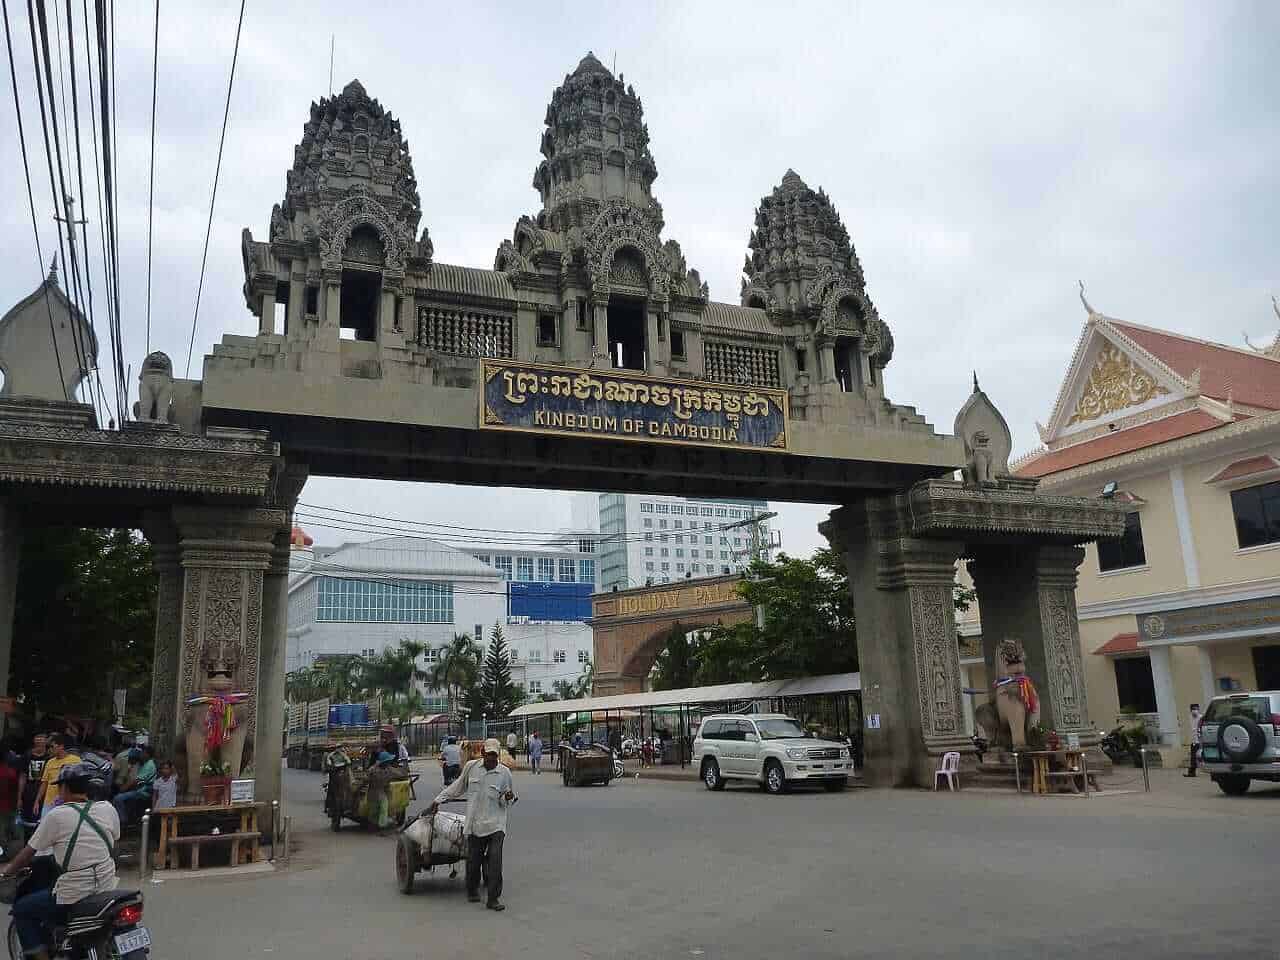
[164, 791]
[1194, 756]
[451, 760]
[82, 837]
[489, 791]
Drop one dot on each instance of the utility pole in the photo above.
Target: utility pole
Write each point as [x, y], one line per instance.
[759, 548]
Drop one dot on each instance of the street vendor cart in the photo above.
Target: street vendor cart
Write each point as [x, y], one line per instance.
[352, 792]
[590, 764]
[427, 842]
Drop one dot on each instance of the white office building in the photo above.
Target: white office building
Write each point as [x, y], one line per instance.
[659, 539]
[360, 598]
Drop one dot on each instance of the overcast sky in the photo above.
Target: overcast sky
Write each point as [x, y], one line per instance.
[983, 157]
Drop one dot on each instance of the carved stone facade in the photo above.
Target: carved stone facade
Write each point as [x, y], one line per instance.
[341, 254]
[901, 552]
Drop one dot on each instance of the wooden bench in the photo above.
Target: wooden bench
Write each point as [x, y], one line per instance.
[244, 847]
[245, 841]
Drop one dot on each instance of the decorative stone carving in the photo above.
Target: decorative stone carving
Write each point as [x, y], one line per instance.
[1056, 581]
[628, 270]
[155, 388]
[1014, 707]
[945, 508]
[337, 223]
[1115, 383]
[987, 441]
[937, 659]
[620, 225]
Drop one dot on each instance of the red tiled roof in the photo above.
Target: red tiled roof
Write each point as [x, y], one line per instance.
[1123, 441]
[1120, 643]
[1245, 468]
[1249, 378]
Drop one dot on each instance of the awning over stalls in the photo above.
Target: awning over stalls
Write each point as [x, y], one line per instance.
[720, 693]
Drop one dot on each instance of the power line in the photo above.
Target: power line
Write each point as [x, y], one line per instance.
[204, 257]
[151, 196]
[109, 166]
[84, 232]
[55, 182]
[31, 201]
[108, 285]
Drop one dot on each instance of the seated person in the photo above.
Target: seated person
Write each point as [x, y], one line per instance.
[137, 792]
[82, 837]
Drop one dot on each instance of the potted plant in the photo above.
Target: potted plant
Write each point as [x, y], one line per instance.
[215, 780]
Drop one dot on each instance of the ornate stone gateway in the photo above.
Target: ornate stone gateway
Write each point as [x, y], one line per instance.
[590, 357]
[1023, 551]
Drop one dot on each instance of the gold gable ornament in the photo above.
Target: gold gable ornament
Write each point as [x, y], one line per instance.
[1114, 384]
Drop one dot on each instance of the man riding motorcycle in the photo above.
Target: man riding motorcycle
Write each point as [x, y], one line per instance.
[81, 835]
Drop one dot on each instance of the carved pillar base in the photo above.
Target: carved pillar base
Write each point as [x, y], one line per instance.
[166, 716]
[224, 553]
[902, 590]
[1030, 593]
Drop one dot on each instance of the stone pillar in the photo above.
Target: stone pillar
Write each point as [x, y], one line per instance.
[224, 553]
[267, 321]
[331, 316]
[10, 556]
[1166, 699]
[600, 325]
[1208, 682]
[297, 300]
[274, 642]
[1029, 593]
[827, 362]
[166, 714]
[655, 349]
[902, 589]
[527, 329]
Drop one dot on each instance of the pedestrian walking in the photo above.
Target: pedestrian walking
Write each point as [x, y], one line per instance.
[50, 794]
[535, 753]
[490, 795]
[512, 740]
[1194, 753]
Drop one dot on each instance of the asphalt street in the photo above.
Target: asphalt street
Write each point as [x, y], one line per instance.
[645, 869]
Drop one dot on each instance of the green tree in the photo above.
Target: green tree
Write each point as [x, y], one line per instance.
[677, 664]
[393, 671]
[808, 628]
[498, 693]
[456, 668]
[338, 677]
[84, 621]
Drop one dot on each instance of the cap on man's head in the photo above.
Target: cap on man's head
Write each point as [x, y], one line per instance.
[73, 771]
[491, 746]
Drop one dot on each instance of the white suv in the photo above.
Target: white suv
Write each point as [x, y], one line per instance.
[1240, 740]
[770, 748]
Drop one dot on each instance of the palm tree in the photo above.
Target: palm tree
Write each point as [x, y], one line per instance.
[456, 668]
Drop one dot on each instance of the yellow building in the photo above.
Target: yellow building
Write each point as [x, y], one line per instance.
[1187, 434]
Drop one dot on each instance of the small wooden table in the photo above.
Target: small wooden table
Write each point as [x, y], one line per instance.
[244, 841]
[1069, 769]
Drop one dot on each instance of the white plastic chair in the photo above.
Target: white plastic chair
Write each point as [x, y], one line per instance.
[949, 768]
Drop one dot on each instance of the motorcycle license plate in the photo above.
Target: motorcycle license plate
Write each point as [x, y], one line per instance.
[136, 939]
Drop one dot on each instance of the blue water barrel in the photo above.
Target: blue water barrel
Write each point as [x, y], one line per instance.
[359, 714]
[333, 715]
[344, 715]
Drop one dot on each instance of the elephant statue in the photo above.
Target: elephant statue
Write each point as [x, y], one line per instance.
[155, 388]
[1015, 706]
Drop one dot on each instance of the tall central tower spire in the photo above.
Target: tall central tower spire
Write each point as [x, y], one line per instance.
[595, 149]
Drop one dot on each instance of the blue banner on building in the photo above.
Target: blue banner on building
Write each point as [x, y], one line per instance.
[549, 601]
[620, 405]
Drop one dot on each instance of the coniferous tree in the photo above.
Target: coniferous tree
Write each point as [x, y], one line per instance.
[497, 691]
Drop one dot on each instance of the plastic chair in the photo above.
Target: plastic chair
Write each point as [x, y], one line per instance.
[949, 768]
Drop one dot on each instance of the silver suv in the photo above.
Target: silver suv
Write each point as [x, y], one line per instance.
[1240, 740]
[770, 748]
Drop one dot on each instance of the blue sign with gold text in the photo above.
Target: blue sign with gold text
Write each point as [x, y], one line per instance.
[621, 405]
